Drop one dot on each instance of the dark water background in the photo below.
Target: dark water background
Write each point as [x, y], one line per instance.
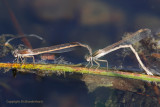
[96, 23]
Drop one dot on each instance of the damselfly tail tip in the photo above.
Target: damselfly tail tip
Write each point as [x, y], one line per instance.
[6, 44]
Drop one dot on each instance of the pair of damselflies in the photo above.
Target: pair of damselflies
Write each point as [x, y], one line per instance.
[124, 43]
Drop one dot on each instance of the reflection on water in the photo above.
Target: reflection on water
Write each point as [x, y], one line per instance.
[76, 90]
[54, 90]
[120, 92]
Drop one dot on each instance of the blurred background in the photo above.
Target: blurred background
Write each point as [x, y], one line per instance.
[97, 23]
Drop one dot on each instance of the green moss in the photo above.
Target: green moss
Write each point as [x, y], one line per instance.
[78, 69]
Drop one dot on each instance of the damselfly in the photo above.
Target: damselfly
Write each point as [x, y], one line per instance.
[124, 43]
[19, 54]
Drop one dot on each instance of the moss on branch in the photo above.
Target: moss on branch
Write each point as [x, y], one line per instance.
[51, 68]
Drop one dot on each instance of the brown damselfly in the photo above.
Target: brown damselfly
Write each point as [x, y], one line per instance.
[124, 43]
[20, 54]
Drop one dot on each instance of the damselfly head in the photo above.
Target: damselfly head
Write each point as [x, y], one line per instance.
[88, 57]
[15, 53]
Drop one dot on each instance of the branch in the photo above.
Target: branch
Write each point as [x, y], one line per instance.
[53, 68]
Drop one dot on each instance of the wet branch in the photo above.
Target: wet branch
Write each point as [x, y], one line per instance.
[53, 68]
